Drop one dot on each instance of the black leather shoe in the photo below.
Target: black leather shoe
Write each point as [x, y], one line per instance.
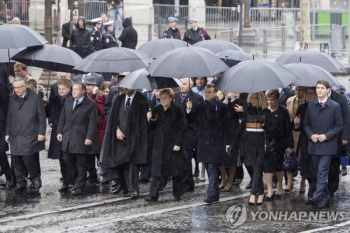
[210, 200]
[249, 186]
[20, 188]
[77, 191]
[237, 182]
[151, 199]
[72, 189]
[134, 195]
[323, 204]
[35, 186]
[313, 202]
[267, 198]
[117, 189]
[63, 189]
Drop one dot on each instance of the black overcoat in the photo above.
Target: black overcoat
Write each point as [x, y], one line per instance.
[55, 108]
[129, 35]
[26, 119]
[78, 125]
[4, 102]
[254, 143]
[136, 137]
[168, 129]
[213, 131]
[190, 136]
[306, 164]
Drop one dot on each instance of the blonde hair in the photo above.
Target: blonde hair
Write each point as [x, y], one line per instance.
[167, 91]
[262, 103]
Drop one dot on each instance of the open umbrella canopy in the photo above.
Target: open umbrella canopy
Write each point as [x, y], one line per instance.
[140, 79]
[217, 46]
[155, 48]
[50, 57]
[314, 58]
[309, 75]
[255, 76]
[18, 36]
[233, 57]
[187, 62]
[6, 54]
[114, 60]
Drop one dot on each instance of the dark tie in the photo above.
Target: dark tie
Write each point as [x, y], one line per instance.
[128, 104]
[76, 104]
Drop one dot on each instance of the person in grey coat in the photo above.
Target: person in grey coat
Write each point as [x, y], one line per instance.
[25, 132]
[76, 130]
[322, 124]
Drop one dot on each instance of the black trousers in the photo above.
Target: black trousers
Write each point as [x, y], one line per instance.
[239, 173]
[333, 175]
[66, 176]
[312, 186]
[257, 181]
[131, 175]
[156, 184]
[37, 160]
[250, 170]
[5, 166]
[77, 167]
[187, 179]
[145, 172]
[24, 164]
[91, 165]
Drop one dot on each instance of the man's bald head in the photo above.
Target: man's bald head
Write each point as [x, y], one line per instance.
[16, 20]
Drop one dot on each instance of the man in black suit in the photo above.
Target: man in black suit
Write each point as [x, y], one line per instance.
[98, 78]
[322, 124]
[190, 141]
[66, 30]
[77, 130]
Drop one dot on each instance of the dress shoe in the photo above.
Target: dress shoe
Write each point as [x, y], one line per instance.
[20, 188]
[77, 191]
[323, 204]
[176, 198]
[313, 202]
[63, 189]
[251, 203]
[151, 199]
[35, 186]
[249, 186]
[188, 189]
[267, 198]
[134, 195]
[237, 182]
[72, 189]
[227, 189]
[117, 189]
[125, 192]
[222, 187]
[210, 200]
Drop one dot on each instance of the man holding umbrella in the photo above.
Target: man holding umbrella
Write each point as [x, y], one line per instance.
[95, 34]
[125, 145]
[195, 33]
[80, 39]
[172, 32]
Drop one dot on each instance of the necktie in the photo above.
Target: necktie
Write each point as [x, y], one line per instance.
[128, 103]
[321, 103]
[75, 104]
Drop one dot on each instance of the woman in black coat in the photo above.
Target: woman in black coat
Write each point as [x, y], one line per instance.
[55, 108]
[306, 164]
[167, 123]
[282, 136]
[256, 122]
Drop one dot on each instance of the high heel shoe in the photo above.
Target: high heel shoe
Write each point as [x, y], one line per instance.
[221, 187]
[260, 203]
[251, 203]
[267, 198]
[227, 189]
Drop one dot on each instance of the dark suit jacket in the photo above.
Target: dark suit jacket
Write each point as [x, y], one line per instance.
[190, 141]
[323, 120]
[65, 33]
[78, 125]
[98, 79]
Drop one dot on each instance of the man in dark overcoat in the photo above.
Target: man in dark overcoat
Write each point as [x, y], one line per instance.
[129, 35]
[213, 124]
[124, 148]
[190, 137]
[343, 139]
[76, 130]
[322, 124]
[66, 30]
[25, 132]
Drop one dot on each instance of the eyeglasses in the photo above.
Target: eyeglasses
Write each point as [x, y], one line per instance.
[18, 87]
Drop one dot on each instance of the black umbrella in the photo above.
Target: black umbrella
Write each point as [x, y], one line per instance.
[114, 60]
[255, 76]
[314, 58]
[140, 79]
[50, 57]
[217, 46]
[4, 54]
[309, 74]
[19, 36]
[155, 48]
[187, 62]
[233, 57]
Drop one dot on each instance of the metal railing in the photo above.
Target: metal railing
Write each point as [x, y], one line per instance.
[93, 9]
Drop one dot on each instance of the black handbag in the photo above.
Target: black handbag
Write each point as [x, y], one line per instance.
[290, 161]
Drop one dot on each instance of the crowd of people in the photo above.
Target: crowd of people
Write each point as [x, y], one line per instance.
[140, 136]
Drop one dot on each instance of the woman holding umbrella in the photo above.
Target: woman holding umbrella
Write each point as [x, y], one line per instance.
[282, 136]
[167, 123]
[256, 123]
